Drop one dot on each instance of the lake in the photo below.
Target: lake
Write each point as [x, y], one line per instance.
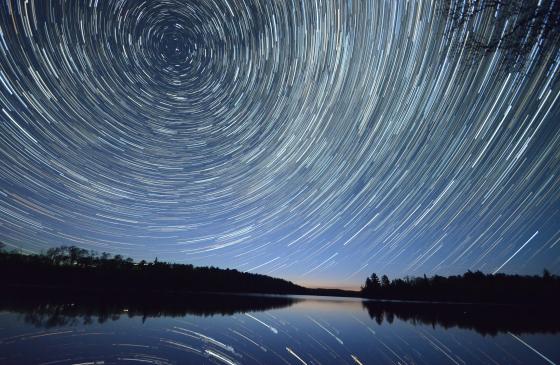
[246, 329]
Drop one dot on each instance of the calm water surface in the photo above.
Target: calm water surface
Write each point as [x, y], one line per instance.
[219, 329]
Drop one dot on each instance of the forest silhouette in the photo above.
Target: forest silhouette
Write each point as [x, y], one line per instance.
[77, 270]
[74, 269]
[471, 287]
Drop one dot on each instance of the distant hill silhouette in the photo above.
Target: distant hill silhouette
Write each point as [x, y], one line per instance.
[471, 287]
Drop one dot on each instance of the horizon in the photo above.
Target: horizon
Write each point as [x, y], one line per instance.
[318, 142]
[303, 283]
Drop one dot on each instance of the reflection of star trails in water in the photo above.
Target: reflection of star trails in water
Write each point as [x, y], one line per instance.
[533, 349]
[295, 355]
[356, 360]
[329, 332]
[274, 330]
[98, 332]
[220, 357]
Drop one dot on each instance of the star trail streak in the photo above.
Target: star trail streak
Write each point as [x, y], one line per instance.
[305, 139]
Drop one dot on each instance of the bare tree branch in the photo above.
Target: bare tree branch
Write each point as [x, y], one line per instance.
[521, 30]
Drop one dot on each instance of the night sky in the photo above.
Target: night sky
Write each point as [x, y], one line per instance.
[318, 141]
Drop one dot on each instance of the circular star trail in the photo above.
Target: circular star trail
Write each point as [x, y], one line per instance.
[313, 140]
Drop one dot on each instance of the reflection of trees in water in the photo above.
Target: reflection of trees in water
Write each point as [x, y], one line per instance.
[58, 315]
[484, 319]
[59, 309]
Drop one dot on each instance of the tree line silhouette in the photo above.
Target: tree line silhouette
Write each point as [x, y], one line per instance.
[471, 287]
[77, 269]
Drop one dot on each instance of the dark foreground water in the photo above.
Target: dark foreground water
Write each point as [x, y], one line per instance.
[220, 329]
